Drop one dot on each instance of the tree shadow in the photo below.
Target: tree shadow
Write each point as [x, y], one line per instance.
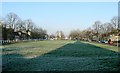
[76, 56]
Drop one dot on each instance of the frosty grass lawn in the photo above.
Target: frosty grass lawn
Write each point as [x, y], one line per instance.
[61, 55]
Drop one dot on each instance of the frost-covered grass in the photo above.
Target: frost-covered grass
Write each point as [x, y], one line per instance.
[61, 55]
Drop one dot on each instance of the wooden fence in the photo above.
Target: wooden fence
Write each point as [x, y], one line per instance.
[2, 42]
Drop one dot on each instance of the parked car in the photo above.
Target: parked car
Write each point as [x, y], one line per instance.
[106, 41]
[103, 41]
[98, 41]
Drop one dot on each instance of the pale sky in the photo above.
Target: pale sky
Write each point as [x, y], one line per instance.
[64, 16]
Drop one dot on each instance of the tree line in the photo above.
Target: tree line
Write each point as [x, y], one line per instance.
[98, 31]
[13, 28]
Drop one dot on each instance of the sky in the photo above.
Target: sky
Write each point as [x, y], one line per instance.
[60, 0]
[62, 16]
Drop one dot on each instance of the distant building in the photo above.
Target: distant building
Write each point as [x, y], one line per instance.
[59, 35]
[66, 38]
[114, 37]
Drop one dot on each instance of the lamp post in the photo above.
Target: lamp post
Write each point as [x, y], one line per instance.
[118, 28]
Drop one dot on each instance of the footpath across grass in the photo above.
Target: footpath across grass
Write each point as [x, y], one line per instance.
[59, 55]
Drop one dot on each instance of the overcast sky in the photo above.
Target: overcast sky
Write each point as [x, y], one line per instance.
[64, 16]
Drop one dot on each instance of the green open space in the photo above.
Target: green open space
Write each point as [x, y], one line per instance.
[59, 55]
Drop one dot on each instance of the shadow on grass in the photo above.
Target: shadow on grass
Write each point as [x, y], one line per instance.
[71, 57]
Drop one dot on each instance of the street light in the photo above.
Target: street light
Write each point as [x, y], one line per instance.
[118, 28]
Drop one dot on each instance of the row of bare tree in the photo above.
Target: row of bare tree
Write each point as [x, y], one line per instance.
[13, 27]
[98, 31]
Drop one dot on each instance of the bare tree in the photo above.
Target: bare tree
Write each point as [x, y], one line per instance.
[96, 28]
[14, 28]
[104, 30]
[75, 34]
[29, 24]
[1, 21]
[119, 23]
[62, 35]
[89, 34]
[20, 26]
[12, 20]
[1, 26]
[114, 22]
[109, 27]
[106, 27]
